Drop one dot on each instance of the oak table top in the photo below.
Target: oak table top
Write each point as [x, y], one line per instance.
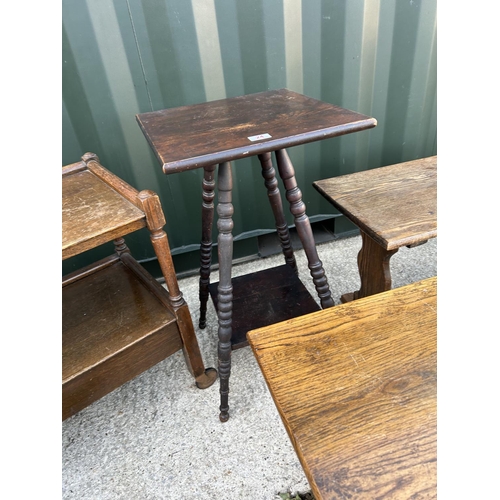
[204, 134]
[395, 205]
[355, 386]
[93, 211]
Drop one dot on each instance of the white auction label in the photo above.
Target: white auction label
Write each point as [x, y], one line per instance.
[259, 137]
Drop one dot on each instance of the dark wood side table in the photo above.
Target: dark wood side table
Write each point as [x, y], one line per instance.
[218, 132]
[356, 388]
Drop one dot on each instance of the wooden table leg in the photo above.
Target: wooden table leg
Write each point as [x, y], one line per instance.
[207, 218]
[374, 269]
[273, 193]
[225, 289]
[155, 221]
[298, 209]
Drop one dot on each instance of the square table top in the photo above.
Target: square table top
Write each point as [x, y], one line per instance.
[356, 388]
[199, 135]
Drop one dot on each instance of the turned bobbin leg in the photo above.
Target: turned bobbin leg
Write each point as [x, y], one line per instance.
[298, 210]
[120, 246]
[225, 288]
[274, 196]
[207, 218]
[374, 269]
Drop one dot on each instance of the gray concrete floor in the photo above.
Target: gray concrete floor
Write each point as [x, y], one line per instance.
[159, 437]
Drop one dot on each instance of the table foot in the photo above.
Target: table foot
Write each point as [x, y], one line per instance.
[303, 225]
[207, 379]
[207, 218]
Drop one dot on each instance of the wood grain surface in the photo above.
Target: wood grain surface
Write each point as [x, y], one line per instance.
[355, 386]
[104, 313]
[204, 134]
[395, 205]
[93, 213]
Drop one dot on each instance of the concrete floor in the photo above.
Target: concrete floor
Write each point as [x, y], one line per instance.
[159, 437]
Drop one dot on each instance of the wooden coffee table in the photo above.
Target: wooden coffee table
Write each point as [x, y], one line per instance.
[355, 386]
[218, 132]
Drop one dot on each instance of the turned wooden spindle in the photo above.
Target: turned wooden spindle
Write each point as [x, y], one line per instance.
[120, 246]
[207, 218]
[274, 196]
[225, 289]
[155, 221]
[298, 210]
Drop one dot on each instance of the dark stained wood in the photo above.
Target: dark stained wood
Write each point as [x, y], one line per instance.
[264, 298]
[303, 226]
[117, 319]
[218, 132]
[393, 206]
[225, 287]
[207, 219]
[274, 196]
[204, 134]
[355, 386]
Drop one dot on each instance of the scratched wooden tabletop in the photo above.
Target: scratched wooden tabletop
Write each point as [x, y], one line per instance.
[395, 205]
[355, 386]
[212, 132]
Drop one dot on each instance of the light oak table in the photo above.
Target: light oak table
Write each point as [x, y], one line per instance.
[355, 386]
[216, 133]
[117, 320]
[394, 206]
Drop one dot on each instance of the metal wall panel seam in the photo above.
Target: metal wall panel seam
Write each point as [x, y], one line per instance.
[207, 32]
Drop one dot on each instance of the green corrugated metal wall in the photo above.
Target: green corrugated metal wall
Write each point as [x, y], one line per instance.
[123, 57]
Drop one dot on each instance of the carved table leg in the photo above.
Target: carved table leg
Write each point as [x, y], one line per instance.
[207, 218]
[374, 269]
[155, 221]
[225, 288]
[298, 209]
[273, 193]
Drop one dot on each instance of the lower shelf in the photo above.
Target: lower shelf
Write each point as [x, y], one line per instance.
[264, 298]
[116, 324]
